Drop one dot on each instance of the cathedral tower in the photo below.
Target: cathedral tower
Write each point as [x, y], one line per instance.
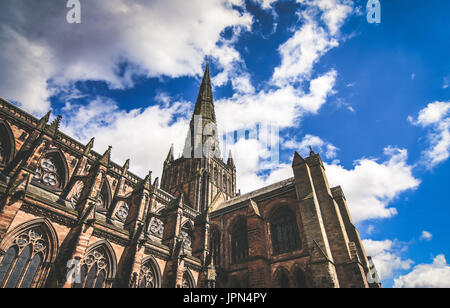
[201, 174]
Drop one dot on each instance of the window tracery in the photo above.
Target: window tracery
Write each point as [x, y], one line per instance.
[186, 239]
[23, 259]
[157, 227]
[94, 269]
[47, 173]
[122, 212]
[148, 276]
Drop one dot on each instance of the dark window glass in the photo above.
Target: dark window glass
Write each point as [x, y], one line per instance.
[6, 263]
[91, 277]
[285, 234]
[31, 272]
[100, 280]
[18, 269]
[239, 242]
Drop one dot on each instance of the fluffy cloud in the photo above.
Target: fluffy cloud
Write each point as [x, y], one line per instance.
[386, 256]
[248, 154]
[301, 52]
[23, 77]
[311, 41]
[265, 4]
[143, 135]
[153, 38]
[334, 12]
[435, 275]
[315, 142]
[281, 107]
[371, 185]
[435, 117]
[426, 236]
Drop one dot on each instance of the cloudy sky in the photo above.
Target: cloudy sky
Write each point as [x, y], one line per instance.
[372, 99]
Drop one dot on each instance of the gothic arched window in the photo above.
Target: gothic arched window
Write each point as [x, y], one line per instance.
[148, 277]
[157, 227]
[186, 236]
[284, 231]
[96, 267]
[215, 247]
[103, 197]
[122, 212]
[50, 171]
[239, 242]
[24, 258]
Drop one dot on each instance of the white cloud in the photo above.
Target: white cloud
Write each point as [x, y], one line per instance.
[25, 67]
[311, 41]
[265, 4]
[426, 236]
[248, 154]
[318, 145]
[334, 12]
[155, 38]
[435, 275]
[370, 186]
[143, 135]
[433, 113]
[281, 107]
[436, 117]
[386, 256]
[301, 52]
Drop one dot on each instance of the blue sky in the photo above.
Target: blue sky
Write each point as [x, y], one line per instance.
[373, 99]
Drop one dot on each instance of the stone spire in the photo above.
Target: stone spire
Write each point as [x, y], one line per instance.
[204, 105]
[203, 123]
[230, 161]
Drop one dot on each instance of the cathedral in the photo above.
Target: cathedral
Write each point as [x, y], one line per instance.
[72, 218]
